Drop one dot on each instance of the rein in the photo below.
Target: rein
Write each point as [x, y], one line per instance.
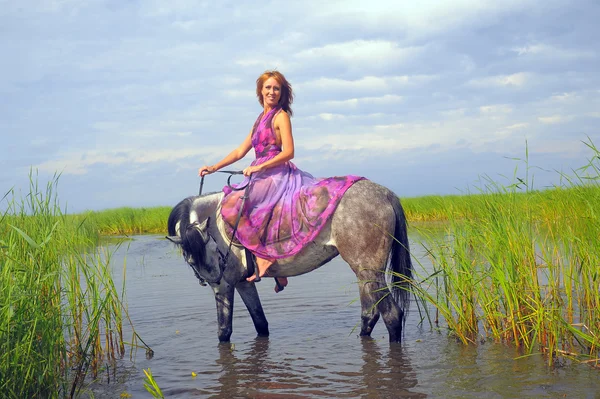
[225, 258]
[231, 174]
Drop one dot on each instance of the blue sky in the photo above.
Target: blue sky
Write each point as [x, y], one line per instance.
[127, 99]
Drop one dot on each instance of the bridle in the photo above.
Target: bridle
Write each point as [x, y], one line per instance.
[223, 258]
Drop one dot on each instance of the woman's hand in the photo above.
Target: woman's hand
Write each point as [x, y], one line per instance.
[252, 169]
[206, 170]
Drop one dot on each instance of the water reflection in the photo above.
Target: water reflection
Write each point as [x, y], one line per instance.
[387, 373]
[255, 373]
[384, 371]
[310, 353]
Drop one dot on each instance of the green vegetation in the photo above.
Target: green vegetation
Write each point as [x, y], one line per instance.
[510, 264]
[126, 221]
[517, 266]
[61, 316]
[151, 385]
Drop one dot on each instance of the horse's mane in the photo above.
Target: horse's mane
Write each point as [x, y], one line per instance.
[180, 214]
[179, 224]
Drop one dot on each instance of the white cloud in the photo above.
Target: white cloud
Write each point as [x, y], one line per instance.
[517, 80]
[518, 126]
[479, 132]
[330, 117]
[177, 8]
[552, 51]
[561, 148]
[127, 84]
[262, 63]
[362, 52]
[77, 163]
[57, 6]
[496, 109]
[357, 102]
[366, 83]
[566, 97]
[553, 119]
[454, 113]
[244, 94]
[417, 19]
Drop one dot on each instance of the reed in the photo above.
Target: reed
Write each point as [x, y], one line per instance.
[520, 266]
[125, 221]
[151, 385]
[60, 314]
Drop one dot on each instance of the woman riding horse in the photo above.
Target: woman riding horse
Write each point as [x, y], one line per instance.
[285, 207]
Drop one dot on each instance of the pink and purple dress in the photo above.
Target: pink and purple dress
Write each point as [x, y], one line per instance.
[286, 207]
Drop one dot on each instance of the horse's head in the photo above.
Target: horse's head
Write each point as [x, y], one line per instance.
[199, 250]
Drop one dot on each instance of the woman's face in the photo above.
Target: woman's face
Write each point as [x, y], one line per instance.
[271, 92]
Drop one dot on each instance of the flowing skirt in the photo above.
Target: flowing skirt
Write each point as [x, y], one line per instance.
[286, 209]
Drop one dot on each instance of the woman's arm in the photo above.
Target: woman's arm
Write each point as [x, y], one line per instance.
[232, 157]
[283, 125]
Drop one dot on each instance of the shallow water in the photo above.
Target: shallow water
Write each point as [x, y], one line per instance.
[313, 351]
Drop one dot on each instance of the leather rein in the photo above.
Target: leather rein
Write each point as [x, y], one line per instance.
[223, 258]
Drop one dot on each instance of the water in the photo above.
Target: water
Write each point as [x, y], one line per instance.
[313, 351]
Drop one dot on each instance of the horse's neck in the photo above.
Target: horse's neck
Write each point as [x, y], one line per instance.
[218, 230]
[209, 206]
[205, 207]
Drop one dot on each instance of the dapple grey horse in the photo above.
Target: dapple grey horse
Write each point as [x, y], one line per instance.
[368, 230]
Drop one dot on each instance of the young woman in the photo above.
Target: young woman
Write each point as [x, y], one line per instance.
[286, 207]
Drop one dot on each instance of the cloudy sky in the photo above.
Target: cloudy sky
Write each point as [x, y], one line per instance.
[127, 99]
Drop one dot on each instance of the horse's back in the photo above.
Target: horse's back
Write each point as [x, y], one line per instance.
[363, 204]
[359, 226]
[362, 227]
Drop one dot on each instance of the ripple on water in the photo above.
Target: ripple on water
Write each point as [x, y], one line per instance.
[314, 350]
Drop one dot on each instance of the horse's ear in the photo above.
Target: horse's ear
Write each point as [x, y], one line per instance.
[174, 239]
[204, 225]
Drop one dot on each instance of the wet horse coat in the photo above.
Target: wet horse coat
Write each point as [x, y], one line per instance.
[368, 230]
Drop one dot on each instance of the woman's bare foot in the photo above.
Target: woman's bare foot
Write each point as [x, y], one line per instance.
[262, 265]
[280, 282]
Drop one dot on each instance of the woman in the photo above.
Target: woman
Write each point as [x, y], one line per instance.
[286, 207]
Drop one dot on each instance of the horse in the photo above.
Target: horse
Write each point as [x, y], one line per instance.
[368, 229]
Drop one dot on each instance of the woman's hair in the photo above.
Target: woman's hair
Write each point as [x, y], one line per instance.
[287, 96]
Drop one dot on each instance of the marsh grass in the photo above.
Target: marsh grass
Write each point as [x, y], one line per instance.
[125, 221]
[61, 315]
[519, 266]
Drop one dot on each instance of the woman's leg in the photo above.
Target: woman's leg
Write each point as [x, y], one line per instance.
[280, 282]
[262, 265]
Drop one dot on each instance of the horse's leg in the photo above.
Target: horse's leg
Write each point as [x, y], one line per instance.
[224, 294]
[392, 314]
[362, 227]
[377, 300]
[370, 313]
[251, 299]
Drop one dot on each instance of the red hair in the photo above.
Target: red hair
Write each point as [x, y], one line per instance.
[287, 96]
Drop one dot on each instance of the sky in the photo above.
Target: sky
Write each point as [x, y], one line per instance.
[126, 99]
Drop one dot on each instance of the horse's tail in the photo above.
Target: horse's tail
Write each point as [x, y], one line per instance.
[400, 264]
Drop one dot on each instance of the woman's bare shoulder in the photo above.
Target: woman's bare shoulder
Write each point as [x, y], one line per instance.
[282, 116]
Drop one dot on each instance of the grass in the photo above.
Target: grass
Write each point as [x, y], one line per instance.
[509, 264]
[517, 265]
[61, 316]
[125, 221]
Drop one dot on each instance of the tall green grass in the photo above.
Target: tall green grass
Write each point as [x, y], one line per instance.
[520, 266]
[61, 316]
[125, 221]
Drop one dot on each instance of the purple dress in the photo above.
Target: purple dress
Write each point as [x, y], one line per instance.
[286, 207]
